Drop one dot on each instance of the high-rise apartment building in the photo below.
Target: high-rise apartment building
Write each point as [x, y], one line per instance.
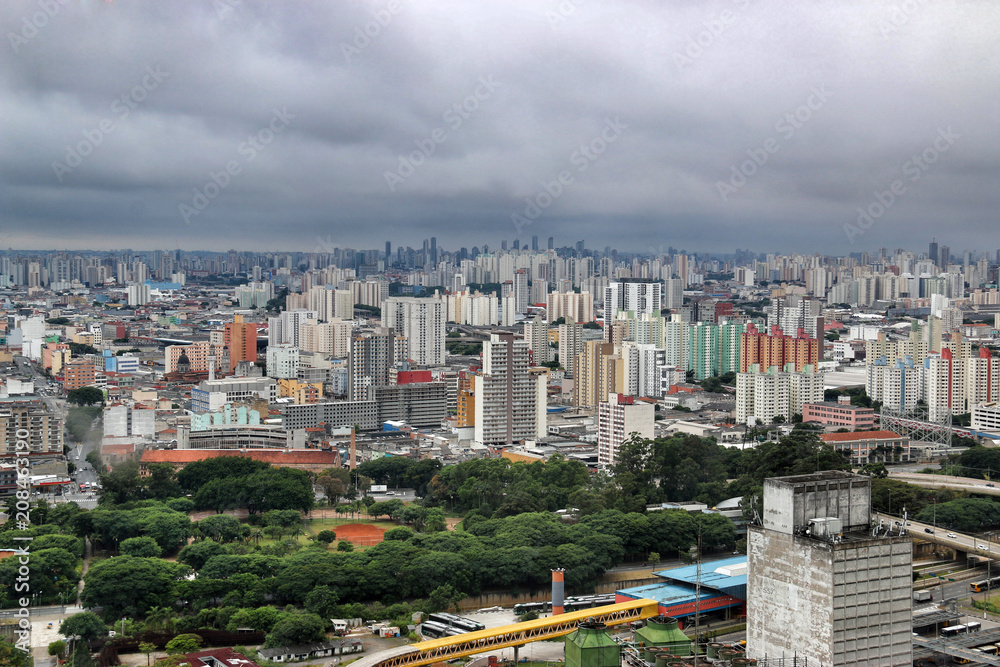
[571, 306]
[764, 395]
[332, 338]
[282, 361]
[508, 394]
[618, 418]
[635, 295]
[286, 327]
[822, 584]
[241, 339]
[422, 322]
[536, 334]
[370, 360]
[778, 349]
[596, 372]
[29, 421]
[673, 293]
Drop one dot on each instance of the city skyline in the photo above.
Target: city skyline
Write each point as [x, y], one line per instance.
[790, 130]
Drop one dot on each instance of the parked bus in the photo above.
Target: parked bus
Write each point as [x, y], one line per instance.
[460, 622]
[434, 630]
[984, 585]
[950, 631]
[961, 629]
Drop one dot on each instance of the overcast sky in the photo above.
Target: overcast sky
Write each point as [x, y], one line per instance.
[448, 118]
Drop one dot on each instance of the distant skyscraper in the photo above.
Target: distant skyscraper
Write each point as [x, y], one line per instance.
[944, 257]
[534, 242]
[434, 250]
[552, 246]
[932, 251]
[388, 253]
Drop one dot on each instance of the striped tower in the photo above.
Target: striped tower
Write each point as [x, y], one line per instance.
[558, 590]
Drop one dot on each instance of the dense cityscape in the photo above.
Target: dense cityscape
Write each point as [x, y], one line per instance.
[261, 442]
[535, 333]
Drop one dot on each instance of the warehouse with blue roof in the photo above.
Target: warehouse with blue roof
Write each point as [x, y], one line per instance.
[723, 589]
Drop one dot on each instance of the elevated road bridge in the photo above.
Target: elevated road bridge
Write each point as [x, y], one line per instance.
[964, 484]
[516, 634]
[971, 544]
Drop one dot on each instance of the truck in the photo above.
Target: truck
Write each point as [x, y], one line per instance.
[922, 596]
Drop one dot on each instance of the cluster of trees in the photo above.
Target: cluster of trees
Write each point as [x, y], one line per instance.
[56, 555]
[85, 396]
[503, 553]
[980, 462]
[716, 384]
[967, 515]
[398, 471]
[507, 488]
[216, 484]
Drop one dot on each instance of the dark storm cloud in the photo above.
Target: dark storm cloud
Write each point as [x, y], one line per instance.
[739, 123]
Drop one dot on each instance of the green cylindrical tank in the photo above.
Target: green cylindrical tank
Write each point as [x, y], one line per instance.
[714, 648]
[590, 646]
[649, 654]
[662, 631]
[727, 654]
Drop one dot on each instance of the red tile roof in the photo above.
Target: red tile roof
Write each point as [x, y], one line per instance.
[860, 435]
[273, 456]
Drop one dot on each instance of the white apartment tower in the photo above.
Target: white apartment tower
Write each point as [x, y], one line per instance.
[617, 419]
[507, 394]
[638, 296]
[536, 333]
[422, 322]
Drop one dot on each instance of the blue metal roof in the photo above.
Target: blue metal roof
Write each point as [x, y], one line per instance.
[710, 578]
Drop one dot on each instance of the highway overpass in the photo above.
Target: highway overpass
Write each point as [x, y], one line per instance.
[962, 542]
[966, 484]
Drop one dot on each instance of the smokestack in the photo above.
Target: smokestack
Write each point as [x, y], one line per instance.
[558, 590]
[354, 451]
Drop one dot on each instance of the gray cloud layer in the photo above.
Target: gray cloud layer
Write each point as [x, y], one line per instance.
[488, 104]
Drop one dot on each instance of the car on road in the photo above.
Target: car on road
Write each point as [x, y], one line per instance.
[991, 485]
[952, 535]
[929, 530]
[983, 547]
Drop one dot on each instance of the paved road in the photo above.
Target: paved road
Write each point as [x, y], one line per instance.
[967, 484]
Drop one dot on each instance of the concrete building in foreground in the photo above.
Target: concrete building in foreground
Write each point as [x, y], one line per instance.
[823, 584]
